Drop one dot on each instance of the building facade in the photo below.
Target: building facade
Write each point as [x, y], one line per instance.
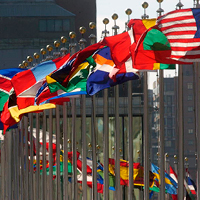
[171, 118]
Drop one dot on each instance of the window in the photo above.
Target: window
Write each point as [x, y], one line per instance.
[168, 143]
[190, 120]
[54, 25]
[42, 25]
[190, 86]
[190, 142]
[190, 109]
[189, 98]
[190, 131]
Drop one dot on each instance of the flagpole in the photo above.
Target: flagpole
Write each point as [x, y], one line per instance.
[65, 155]
[37, 183]
[197, 108]
[105, 133]
[83, 128]
[44, 155]
[117, 134]
[50, 154]
[161, 133]
[146, 126]
[74, 185]
[181, 135]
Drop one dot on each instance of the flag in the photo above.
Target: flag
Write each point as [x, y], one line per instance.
[138, 173]
[6, 117]
[76, 66]
[191, 184]
[27, 83]
[170, 184]
[174, 176]
[17, 113]
[181, 28]
[44, 96]
[119, 46]
[123, 46]
[5, 84]
[102, 75]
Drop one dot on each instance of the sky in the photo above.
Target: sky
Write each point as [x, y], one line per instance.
[106, 8]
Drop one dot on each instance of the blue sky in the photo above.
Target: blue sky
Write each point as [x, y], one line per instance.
[106, 8]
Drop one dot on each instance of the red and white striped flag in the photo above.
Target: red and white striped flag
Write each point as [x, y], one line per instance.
[182, 29]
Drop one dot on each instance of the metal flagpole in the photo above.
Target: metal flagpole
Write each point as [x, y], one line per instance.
[130, 128]
[50, 154]
[31, 155]
[65, 135]
[82, 43]
[26, 157]
[197, 108]
[146, 126]
[161, 133]
[117, 134]
[105, 132]
[94, 158]
[181, 135]
[58, 152]
[37, 183]
[74, 159]
[44, 155]
[180, 130]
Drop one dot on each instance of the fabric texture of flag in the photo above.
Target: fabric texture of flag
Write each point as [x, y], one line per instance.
[101, 76]
[76, 66]
[5, 84]
[27, 83]
[191, 184]
[170, 184]
[181, 28]
[44, 96]
[138, 173]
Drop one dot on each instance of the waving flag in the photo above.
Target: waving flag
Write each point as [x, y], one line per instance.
[119, 46]
[181, 27]
[191, 183]
[101, 77]
[6, 85]
[27, 83]
[170, 184]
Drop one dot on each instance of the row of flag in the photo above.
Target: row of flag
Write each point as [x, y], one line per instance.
[171, 181]
[149, 44]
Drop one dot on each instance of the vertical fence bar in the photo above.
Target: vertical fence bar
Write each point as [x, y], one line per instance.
[50, 155]
[58, 152]
[44, 174]
[94, 157]
[65, 135]
[106, 144]
[130, 136]
[31, 196]
[117, 145]
[84, 147]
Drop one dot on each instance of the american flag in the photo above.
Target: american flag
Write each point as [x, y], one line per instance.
[182, 29]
